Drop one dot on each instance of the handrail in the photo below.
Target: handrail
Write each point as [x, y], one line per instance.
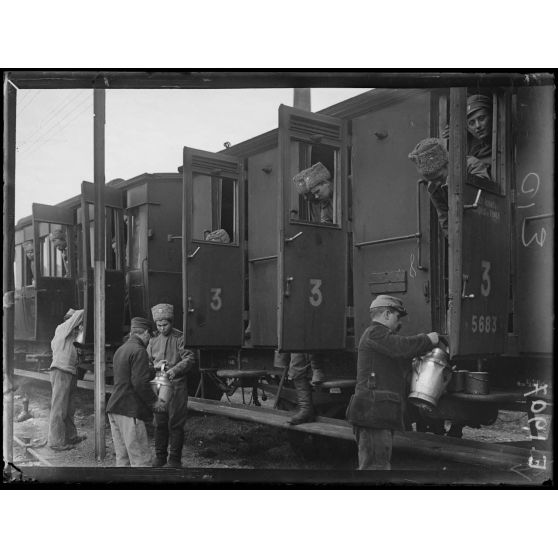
[262, 259]
[536, 217]
[386, 240]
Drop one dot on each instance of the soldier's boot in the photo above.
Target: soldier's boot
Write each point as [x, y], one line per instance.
[176, 445]
[318, 377]
[304, 397]
[161, 443]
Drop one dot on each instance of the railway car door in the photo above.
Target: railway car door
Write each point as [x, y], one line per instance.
[390, 210]
[55, 291]
[479, 240]
[213, 264]
[24, 304]
[312, 270]
[115, 290]
[534, 223]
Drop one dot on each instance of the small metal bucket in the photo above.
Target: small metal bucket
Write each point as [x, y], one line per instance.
[162, 387]
[457, 382]
[476, 383]
[431, 375]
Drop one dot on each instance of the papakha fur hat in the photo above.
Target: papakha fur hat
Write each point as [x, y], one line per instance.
[429, 156]
[306, 179]
[219, 235]
[162, 312]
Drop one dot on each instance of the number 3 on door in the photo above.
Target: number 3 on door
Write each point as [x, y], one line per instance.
[315, 297]
[216, 302]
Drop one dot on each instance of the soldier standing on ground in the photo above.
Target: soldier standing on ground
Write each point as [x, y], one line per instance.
[133, 401]
[167, 353]
[62, 433]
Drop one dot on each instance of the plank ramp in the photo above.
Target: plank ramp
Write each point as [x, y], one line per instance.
[437, 447]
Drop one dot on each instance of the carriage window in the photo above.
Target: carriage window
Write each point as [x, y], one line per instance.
[482, 128]
[315, 185]
[137, 235]
[19, 266]
[113, 241]
[214, 209]
[53, 250]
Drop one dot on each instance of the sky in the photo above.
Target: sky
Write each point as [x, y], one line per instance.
[145, 132]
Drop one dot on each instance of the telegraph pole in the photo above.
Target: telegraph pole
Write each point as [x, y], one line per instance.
[8, 227]
[99, 270]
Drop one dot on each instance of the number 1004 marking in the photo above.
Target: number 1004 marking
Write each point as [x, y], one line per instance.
[484, 324]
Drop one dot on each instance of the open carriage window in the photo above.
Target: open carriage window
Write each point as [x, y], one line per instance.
[315, 184]
[114, 241]
[137, 235]
[214, 211]
[24, 258]
[53, 250]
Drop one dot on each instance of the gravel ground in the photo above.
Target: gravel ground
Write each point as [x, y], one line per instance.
[213, 441]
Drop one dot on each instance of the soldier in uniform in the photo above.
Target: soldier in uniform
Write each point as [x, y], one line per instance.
[383, 368]
[59, 241]
[62, 433]
[133, 402]
[315, 185]
[432, 161]
[167, 352]
[479, 125]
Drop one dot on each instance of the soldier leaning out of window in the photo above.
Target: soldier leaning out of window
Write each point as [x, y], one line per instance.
[479, 126]
[58, 239]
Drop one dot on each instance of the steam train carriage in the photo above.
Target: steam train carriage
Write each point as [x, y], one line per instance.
[280, 280]
[306, 286]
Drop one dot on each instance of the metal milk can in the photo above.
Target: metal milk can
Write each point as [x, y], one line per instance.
[162, 387]
[431, 375]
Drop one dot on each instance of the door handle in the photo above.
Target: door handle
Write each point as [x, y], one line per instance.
[190, 256]
[288, 285]
[475, 204]
[463, 295]
[293, 237]
[190, 308]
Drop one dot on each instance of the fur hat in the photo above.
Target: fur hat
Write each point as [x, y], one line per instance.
[476, 102]
[219, 235]
[308, 178]
[140, 323]
[429, 156]
[162, 312]
[386, 301]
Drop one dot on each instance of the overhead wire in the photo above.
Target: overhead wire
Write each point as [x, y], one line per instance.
[87, 107]
[55, 111]
[28, 104]
[57, 127]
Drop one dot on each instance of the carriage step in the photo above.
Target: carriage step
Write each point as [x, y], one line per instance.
[337, 383]
[243, 373]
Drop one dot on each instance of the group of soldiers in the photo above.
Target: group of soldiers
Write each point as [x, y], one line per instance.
[133, 401]
[384, 356]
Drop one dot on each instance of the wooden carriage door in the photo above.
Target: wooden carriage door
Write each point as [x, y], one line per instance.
[312, 270]
[390, 209]
[479, 243]
[55, 286]
[115, 283]
[213, 271]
